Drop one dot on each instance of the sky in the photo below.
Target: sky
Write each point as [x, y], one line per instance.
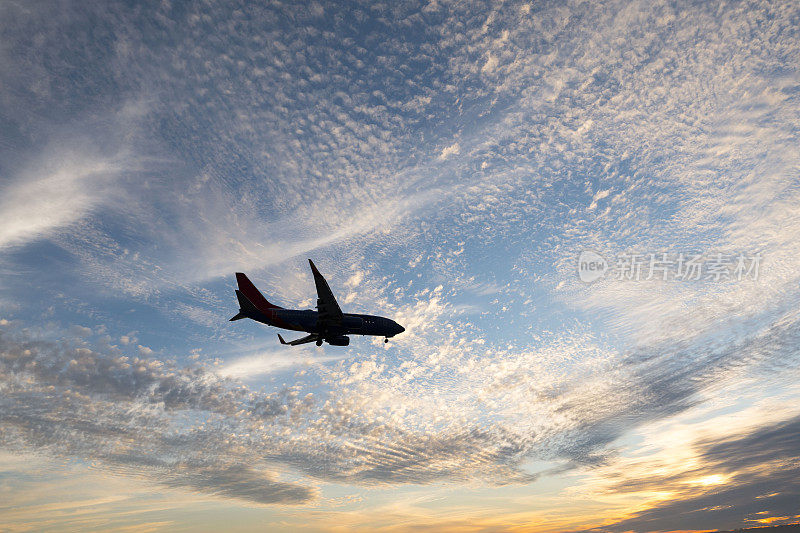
[460, 167]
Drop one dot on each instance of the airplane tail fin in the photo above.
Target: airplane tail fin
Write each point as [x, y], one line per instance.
[251, 294]
[246, 308]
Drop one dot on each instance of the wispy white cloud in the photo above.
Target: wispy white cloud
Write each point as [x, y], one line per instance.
[53, 196]
[256, 365]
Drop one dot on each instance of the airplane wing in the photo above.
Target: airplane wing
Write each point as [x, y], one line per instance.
[330, 314]
[308, 338]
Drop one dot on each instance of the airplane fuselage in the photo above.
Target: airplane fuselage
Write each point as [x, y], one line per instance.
[307, 320]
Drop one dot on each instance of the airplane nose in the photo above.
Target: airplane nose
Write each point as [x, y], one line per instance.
[400, 329]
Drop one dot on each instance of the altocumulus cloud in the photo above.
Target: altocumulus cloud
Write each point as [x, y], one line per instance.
[137, 415]
[190, 428]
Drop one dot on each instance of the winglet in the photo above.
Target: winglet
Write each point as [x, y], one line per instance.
[281, 339]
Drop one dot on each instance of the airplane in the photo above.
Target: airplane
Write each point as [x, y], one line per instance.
[327, 323]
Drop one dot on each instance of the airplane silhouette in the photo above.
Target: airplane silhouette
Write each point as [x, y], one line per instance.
[327, 323]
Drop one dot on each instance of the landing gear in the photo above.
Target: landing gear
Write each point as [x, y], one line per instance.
[385, 340]
[319, 342]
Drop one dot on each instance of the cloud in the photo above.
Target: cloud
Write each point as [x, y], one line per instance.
[192, 429]
[52, 197]
[258, 364]
[135, 415]
[489, 66]
[740, 478]
[235, 481]
[447, 151]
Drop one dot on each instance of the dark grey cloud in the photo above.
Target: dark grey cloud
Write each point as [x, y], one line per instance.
[764, 467]
[668, 379]
[137, 415]
[112, 377]
[402, 457]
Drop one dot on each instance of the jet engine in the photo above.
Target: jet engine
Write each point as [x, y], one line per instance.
[339, 340]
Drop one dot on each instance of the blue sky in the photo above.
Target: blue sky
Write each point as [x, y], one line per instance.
[443, 164]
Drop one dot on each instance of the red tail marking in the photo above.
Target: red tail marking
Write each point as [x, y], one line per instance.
[249, 290]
